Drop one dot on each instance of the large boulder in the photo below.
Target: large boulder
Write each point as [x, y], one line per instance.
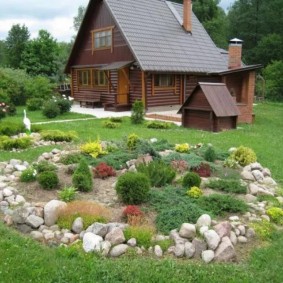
[212, 239]
[207, 256]
[78, 225]
[98, 229]
[200, 246]
[187, 231]
[223, 229]
[115, 236]
[118, 250]
[204, 220]
[51, 210]
[189, 250]
[225, 251]
[92, 242]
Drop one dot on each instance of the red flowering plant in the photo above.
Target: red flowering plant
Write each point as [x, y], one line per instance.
[203, 170]
[102, 170]
[133, 215]
[3, 110]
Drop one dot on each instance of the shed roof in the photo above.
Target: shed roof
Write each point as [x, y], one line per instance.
[218, 97]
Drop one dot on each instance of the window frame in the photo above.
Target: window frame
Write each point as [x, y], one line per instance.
[161, 86]
[80, 79]
[101, 31]
[106, 80]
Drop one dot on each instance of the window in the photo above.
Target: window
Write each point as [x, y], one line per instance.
[84, 78]
[102, 39]
[100, 78]
[164, 80]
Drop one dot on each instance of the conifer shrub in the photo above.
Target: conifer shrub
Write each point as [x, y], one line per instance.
[275, 214]
[111, 125]
[94, 149]
[182, 148]
[28, 175]
[82, 177]
[50, 109]
[116, 119]
[71, 158]
[133, 188]
[64, 105]
[210, 154]
[132, 141]
[244, 155]
[191, 179]
[102, 171]
[48, 180]
[58, 136]
[158, 125]
[228, 185]
[11, 129]
[194, 192]
[203, 170]
[44, 166]
[137, 116]
[18, 143]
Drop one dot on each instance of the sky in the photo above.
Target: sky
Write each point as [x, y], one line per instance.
[55, 16]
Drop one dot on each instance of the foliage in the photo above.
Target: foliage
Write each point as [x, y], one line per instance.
[158, 172]
[275, 214]
[94, 149]
[34, 104]
[44, 166]
[194, 192]
[133, 188]
[182, 148]
[180, 165]
[158, 125]
[71, 158]
[210, 154]
[77, 20]
[244, 155]
[28, 175]
[131, 210]
[142, 234]
[67, 194]
[102, 170]
[82, 178]
[164, 244]
[17, 143]
[191, 179]
[3, 110]
[219, 204]
[116, 119]
[263, 229]
[50, 109]
[144, 147]
[271, 200]
[110, 125]
[161, 145]
[89, 211]
[64, 105]
[58, 136]
[203, 170]
[137, 115]
[231, 163]
[132, 141]
[228, 185]
[48, 180]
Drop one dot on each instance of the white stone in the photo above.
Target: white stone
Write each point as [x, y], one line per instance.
[263, 191]
[179, 250]
[242, 230]
[246, 175]
[98, 229]
[36, 235]
[203, 229]
[34, 221]
[132, 242]
[212, 239]
[78, 225]
[174, 235]
[49, 236]
[20, 168]
[256, 166]
[242, 239]
[116, 236]
[119, 250]
[258, 175]
[266, 172]
[234, 218]
[14, 162]
[3, 185]
[250, 233]
[269, 181]
[159, 237]
[233, 238]
[207, 256]
[250, 198]
[92, 242]
[187, 231]
[7, 192]
[158, 251]
[1, 196]
[265, 217]
[189, 250]
[253, 189]
[105, 248]
[51, 210]
[204, 220]
[20, 199]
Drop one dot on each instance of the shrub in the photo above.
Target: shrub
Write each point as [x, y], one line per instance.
[182, 148]
[228, 185]
[64, 105]
[10, 128]
[132, 210]
[210, 154]
[158, 125]
[219, 204]
[180, 165]
[275, 214]
[244, 155]
[142, 234]
[110, 125]
[132, 141]
[44, 166]
[191, 179]
[34, 104]
[158, 173]
[3, 110]
[58, 136]
[71, 158]
[137, 115]
[82, 178]
[133, 215]
[161, 145]
[67, 194]
[50, 109]
[263, 229]
[12, 110]
[89, 211]
[203, 170]
[116, 119]
[133, 188]
[18, 143]
[102, 170]
[48, 180]
[144, 147]
[194, 192]
[28, 175]
[94, 149]
[231, 163]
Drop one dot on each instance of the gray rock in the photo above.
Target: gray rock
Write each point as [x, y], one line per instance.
[189, 250]
[225, 251]
[233, 238]
[10, 199]
[179, 250]
[174, 235]
[253, 189]
[20, 215]
[64, 240]
[203, 229]
[204, 220]
[34, 221]
[200, 246]
[263, 191]
[112, 225]
[187, 231]
[7, 192]
[49, 236]
[234, 218]
[36, 235]
[105, 248]
[20, 199]
[115, 237]
[98, 229]
[207, 256]
[132, 169]
[246, 175]
[159, 237]
[258, 175]
[92, 242]
[23, 228]
[14, 162]
[2, 186]
[266, 172]
[51, 210]
[158, 251]
[256, 166]
[212, 239]
[250, 198]
[223, 229]
[119, 250]
[1, 196]
[269, 181]
[8, 220]
[132, 242]
[242, 239]
[78, 225]
[20, 168]
[242, 230]
[265, 217]
[55, 151]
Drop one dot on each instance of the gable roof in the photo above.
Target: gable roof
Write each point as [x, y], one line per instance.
[219, 98]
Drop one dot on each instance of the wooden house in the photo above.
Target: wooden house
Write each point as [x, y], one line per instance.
[155, 51]
[210, 107]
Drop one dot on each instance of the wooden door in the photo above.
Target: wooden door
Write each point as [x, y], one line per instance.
[123, 86]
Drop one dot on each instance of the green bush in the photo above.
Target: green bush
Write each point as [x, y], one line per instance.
[275, 214]
[182, 148]
[158, 125]
[28, 175]
[50, 109]
[12, 110]
[110, 125]
[133, 188]
[116, 119]
[244, 155]
[142, 234]
[58, 136]
[18, 143]
[71, 158]
[44, 166]
[67, 194]
[219, 204]
[34, 104]
[82, 178]
[164, 244]
[161, 145]
[191, 179]
[194, 192]
[132, 141]
[228, 185]
[11, 129]
[48, 180]
[94, 149]
[64, 105]
[158, 173]
[210, 154]
[137, 115]
[144, 147]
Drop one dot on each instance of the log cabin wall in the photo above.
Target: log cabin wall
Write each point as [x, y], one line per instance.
[136, 85]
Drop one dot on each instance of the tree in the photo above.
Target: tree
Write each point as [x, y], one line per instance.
[16, 42]
[64, 50]
[77, 20]
[40, 55]
[3, 53]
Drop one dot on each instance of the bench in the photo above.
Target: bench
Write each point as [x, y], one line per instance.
[90, 102]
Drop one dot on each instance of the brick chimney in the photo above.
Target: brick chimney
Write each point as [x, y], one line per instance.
[235, 53]
[187, 15]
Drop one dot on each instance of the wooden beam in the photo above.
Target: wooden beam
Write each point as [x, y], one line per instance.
[143, 88]
[109, 80]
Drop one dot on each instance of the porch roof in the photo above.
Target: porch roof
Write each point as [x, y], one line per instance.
[116, 65]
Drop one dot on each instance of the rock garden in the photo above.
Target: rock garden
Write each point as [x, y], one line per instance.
[146, 197]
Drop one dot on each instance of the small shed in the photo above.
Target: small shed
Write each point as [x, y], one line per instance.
[210, 107]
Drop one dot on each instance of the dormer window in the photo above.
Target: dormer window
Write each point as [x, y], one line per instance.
[102, 39]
